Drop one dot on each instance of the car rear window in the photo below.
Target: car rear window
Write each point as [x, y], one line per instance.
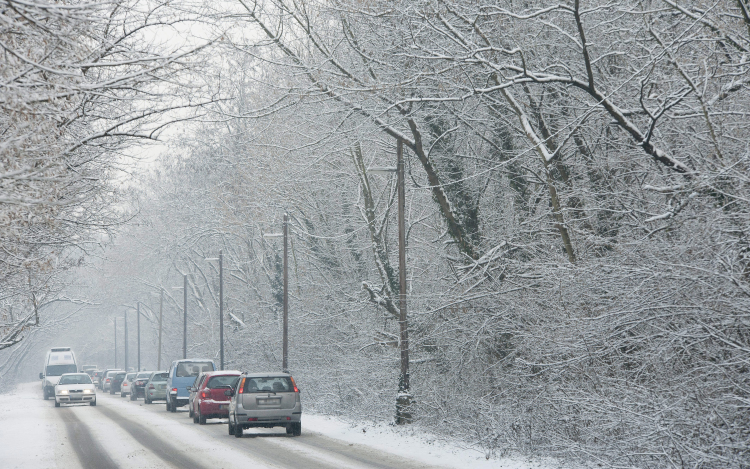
[222, 381]
[120, 376]
[160, 377]
[75, 379]
[269, 384]
[143, 375]
[188, 369]
[130, 377]
[59, 370]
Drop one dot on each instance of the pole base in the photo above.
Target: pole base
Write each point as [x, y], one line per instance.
[404, 404]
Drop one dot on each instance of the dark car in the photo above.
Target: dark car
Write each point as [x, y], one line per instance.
[116, 383]
[210, 402]
[139, 385]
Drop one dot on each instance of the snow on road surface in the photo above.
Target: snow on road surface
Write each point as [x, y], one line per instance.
[120, 433]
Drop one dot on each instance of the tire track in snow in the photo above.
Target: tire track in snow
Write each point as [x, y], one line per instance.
[89, 452]
[165, 451]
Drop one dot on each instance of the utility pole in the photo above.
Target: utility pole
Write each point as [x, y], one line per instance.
[126, 341]
[221, 309]
[403, 401]
[139, 336]
[115, 342]
[284, 361]
[161, 303]
[184, 322]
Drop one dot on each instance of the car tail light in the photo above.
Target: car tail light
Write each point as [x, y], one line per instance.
[289, 418]
[241, 388]
[252, 419]
[151, 386]
[204, 394]
[294, 384]
[174, 389]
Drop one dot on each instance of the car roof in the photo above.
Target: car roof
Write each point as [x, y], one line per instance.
[260, 374]
[67, 374]
[223, 373]
[190, 360]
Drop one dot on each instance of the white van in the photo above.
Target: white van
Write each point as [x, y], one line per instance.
[59, 360]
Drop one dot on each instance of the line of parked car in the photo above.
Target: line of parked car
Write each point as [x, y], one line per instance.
[245, 399]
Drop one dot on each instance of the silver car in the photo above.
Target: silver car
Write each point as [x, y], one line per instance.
[156, 387]
[265, 400]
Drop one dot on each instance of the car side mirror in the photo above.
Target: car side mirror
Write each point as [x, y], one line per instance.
[229, 392]
[41, 375]
[189, 388]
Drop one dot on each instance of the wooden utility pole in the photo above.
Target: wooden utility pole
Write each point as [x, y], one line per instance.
[284, 361]
[221, 309]
[126, 341]
[403, 401]
[138, 304]
[115, 342]
[161, 304]
[184, 321]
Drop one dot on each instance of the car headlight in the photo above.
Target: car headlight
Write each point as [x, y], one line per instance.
[62, 391]
[88, 391]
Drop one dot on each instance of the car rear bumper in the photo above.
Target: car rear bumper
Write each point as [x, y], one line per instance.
[214, 409]
[268, 418]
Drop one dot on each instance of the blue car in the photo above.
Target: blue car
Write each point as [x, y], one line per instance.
[182, 375]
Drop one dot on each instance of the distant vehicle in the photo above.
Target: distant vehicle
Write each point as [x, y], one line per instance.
[192, 390]
[88, 369]
[139, 385]
[96, 377]
[210, 402]
[115, 384]
[182, 374]
[265, 400]
[59, 360]
[107, 379]
[75, 388]
[127, 384]
[156, 387]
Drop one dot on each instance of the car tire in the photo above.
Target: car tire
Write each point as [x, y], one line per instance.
[195, 418]
[44, 392]
[111, 391]
[57, 404]
[230, 427]
[133, 397]
[192, 414]
[290, 429]
[122, 394]
[92, 403]
[201, 419]
[297, 429]
[173, 407]
[146, 401]
[168, 409]
[238, 431]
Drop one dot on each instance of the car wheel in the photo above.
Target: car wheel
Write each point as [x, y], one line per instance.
[192, 414]
[92, 403]
[44, 392]
[173, 407]
[195, 418]
[238, 431]
[289, 428]
[230, 427]
[146, 401]
[168, 409]
[112, 391]
[122, 394]
[57, 404]
[133, 397]
[297, 429]
[201, 419]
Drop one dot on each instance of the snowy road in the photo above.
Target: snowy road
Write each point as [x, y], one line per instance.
[120, 433]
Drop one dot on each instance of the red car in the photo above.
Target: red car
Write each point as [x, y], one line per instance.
[210, 402]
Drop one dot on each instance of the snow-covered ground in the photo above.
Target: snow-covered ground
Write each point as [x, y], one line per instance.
[33, 433]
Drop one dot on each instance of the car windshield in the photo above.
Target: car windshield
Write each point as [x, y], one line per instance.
[59, 370]
[120, 376]
[75, 379]
[159, 377]
[222, 382]
[130, 377]
[270, 384]
[143, 375]
[193, 369]
[111, 373]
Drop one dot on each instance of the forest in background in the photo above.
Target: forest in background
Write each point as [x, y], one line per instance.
[577, 246]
